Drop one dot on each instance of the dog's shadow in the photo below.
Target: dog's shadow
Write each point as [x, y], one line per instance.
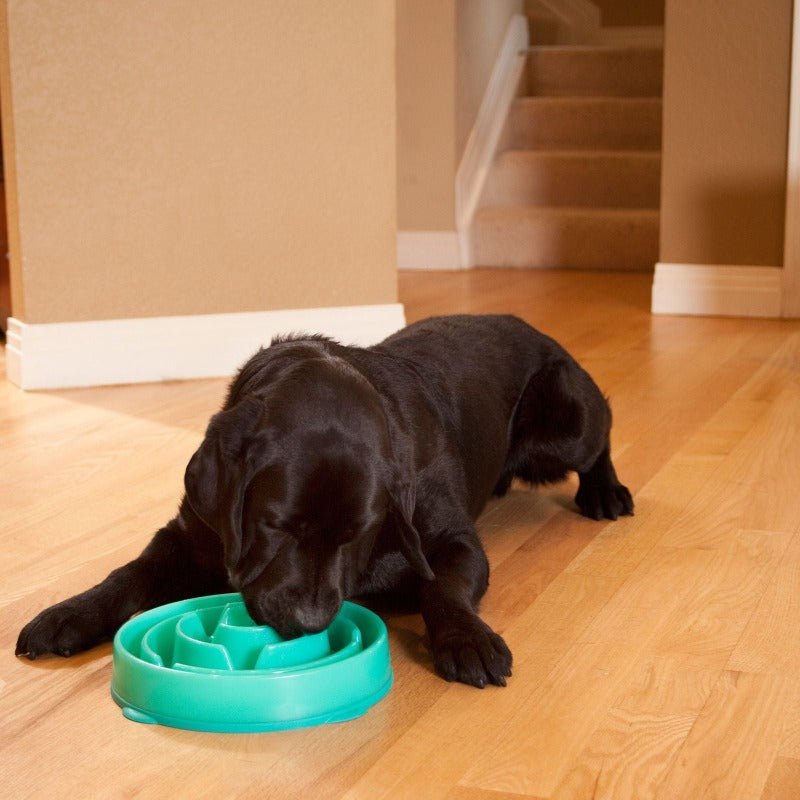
[405, 624]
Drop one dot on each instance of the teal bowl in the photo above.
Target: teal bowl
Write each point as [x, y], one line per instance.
[204, 665]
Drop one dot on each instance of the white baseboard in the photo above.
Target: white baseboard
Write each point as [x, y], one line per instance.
[482, 142]
[99, 352]
[428, 250]
[717, 290]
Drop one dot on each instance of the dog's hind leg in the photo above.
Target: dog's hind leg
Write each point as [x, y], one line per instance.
[600, 494]
[184, 559]
[562, 424]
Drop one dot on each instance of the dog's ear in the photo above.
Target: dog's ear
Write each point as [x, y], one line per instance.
[404, 497]
[219, 472]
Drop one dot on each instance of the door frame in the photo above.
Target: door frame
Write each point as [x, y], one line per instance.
[790, 301]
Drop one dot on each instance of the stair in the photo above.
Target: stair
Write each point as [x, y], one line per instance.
[577, 180]
[595, 70]
[583, 123]
[551, 236]
[597, 178]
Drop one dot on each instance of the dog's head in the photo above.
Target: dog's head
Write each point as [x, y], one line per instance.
[298, 482]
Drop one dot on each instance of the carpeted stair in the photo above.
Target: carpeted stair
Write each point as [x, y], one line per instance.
[577, 180]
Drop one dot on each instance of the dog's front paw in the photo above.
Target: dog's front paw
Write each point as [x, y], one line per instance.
[472, 653]
[607, 500]
[63, 629]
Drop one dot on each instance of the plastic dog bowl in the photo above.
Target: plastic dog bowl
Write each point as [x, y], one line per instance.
[203, 664]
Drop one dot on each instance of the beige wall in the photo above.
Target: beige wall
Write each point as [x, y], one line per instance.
[726, 85]
[196, 156]
[631, 12]
[446, 50]
[426, 114]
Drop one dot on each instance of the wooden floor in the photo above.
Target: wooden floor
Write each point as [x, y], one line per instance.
[656, 656]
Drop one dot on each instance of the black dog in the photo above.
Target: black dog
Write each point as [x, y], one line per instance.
[333, 472]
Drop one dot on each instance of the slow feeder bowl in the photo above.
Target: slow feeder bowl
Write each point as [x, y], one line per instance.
[203, 664]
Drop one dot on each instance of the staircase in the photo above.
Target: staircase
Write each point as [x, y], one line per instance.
[576, 182]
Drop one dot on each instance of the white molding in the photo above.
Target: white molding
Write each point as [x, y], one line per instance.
[791, 247]
[717, 290]
[98, 352]
[483, 138]
[428, 250]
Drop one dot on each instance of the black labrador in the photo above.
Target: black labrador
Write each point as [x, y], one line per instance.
[334, 472]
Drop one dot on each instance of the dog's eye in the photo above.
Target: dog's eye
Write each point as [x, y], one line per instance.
[275, 526]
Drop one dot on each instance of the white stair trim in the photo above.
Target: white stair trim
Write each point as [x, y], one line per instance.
[717, 290]
[99, 352]
[428, 250]
[485, 135]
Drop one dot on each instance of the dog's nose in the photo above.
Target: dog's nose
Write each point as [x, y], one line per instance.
[286, 628]
[313, 619]
[301, 619]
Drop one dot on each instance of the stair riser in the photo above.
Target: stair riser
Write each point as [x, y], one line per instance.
[572, 242]
[595, 72]
[600, 182]
[590, 124]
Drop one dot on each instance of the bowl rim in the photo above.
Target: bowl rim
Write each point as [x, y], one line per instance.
[120, 651]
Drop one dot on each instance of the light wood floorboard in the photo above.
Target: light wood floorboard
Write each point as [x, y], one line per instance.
[655, 657]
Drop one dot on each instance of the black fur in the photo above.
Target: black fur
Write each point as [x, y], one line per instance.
[335, 472]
